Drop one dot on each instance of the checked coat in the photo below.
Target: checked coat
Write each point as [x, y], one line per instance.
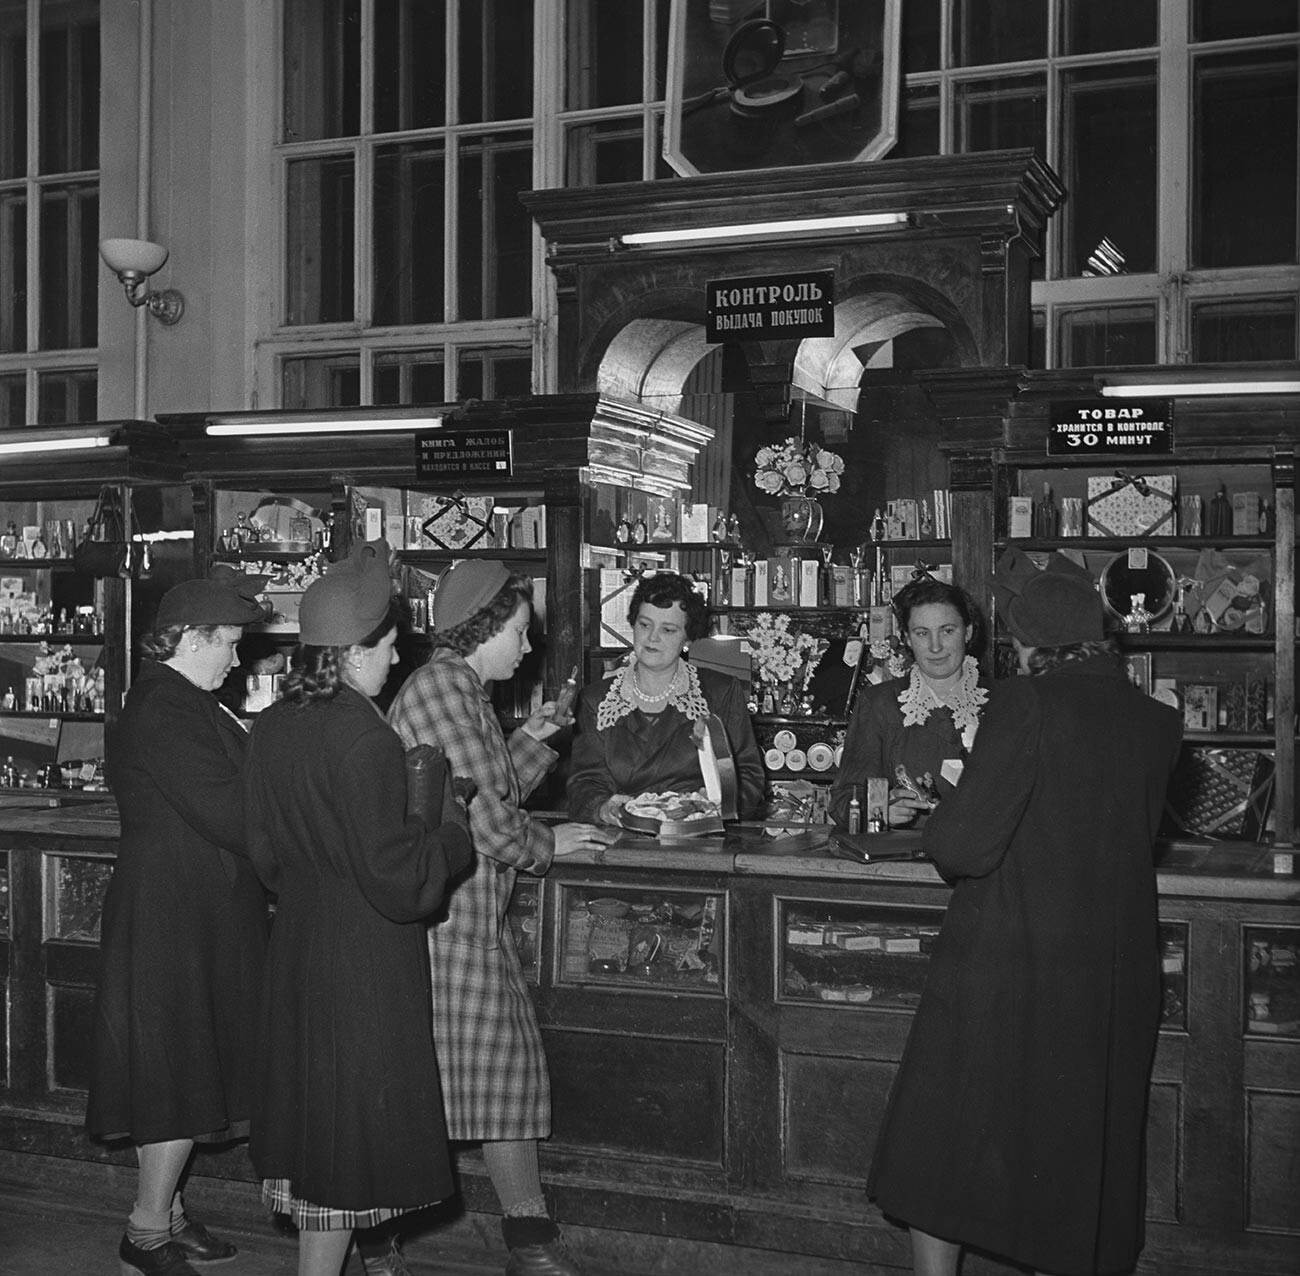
[494, 1076]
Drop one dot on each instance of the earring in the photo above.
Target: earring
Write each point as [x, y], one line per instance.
[194, 646]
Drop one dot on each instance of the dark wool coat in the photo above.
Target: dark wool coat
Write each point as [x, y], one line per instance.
[655, 752]
[877, 741]
[184, 925]
[1017, 1117]
[489, 1045]
[348, 1106]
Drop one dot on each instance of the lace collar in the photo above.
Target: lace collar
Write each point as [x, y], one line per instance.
[684, 695]
[918, 700]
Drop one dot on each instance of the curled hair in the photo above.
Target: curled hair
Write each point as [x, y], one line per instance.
[1044, 659]
[467, 637]
[316, 673]
[662, 590]
[162, 644]
[930, 592]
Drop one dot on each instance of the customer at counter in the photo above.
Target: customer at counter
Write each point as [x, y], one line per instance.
[184, 923]
[490, 1049]
[923, 724]
[1017, 1116]
[348, 1128]
[636, 730]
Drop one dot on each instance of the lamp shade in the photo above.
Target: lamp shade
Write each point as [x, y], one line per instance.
[132, 256]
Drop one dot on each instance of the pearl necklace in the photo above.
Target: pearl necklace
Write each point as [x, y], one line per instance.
[645, 697]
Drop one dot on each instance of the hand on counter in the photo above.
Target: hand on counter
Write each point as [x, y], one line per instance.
[905, 806]
[575, 837]
[611, 809]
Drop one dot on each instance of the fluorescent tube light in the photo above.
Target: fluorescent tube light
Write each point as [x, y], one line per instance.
[54, 445]
[1182, 389]
[746, 230]
[368, 426]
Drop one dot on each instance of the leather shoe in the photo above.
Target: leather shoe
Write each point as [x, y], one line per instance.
[201, 1246]
[550, 1259]
[390, 1264]
[165, 1260]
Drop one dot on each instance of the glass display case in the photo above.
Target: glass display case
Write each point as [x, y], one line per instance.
[74, 897]
[4, 894]
[854, 954]
[524, 918]
[612, 936]
[1271, 996]
[1173, 976]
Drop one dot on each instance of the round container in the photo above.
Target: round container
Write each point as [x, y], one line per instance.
[785, 739]
[796, 760]
[774, 759]
[838, 755]
[608, 907]
[821, 757]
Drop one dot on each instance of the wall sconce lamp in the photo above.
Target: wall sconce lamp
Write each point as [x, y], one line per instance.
[133, 261]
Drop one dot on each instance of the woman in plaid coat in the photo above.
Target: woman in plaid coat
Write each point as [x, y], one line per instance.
[490, 1052]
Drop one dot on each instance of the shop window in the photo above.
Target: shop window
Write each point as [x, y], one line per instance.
[922, 33]
[321, 381]
[1271, 997]
[1258, 330]
[75, 887]
[13, 400]
[1231, 20]
[495, 59]
[322, 69]
[1104, 26]
[320, 232]
[409, 203]
[1106, 336]
[493, 374]
[69, 265]
[999, 114]
[13, 93]
[918, 123]
[989, 31]
[409, 376]
[410, 41]
[1244, 159]
[605, 51]
[66, 395]
[13, 271]
[604, 151]
[1109, 123]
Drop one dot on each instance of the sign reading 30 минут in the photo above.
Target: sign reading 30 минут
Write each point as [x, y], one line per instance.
[760, 307]
[1118, 426]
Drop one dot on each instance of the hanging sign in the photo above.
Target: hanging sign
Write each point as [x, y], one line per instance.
[1086, 427]
[759, 307]
[464, 454]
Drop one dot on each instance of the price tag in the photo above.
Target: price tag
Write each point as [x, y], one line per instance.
[1137, 559]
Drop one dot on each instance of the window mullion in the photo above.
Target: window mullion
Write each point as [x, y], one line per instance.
[33, 219]
[1174, 153]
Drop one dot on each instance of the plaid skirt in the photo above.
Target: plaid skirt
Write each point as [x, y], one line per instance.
[278, 1197]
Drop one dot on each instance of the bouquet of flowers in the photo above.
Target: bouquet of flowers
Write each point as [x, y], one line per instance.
[783, 661]
[796, 468]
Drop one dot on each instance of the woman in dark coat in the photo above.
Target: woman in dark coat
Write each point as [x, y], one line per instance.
[1017, 1117]
[636, 729]
[489, 1046]
[348, 1129]
[184, 924]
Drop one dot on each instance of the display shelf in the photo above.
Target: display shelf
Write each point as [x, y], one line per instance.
[60, 714]
[63, 638]
[39, 564]
[417, 556]
[1120, 543]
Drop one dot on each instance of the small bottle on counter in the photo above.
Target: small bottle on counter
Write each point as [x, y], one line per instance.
[855, 812]
[876, 821]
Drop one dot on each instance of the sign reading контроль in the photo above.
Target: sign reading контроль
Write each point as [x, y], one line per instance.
[759, 307]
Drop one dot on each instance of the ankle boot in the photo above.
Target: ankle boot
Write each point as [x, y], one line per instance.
[536, 1249]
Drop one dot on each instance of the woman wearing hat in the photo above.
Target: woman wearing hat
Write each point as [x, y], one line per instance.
[184, 923]
[923, 723]
[1016, 1120]
[348, 1128]
[489, 1047]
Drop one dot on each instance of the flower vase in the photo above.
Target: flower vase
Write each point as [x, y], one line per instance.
[801, 516]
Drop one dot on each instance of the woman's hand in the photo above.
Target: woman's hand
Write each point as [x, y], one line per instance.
[611, 809]
[574, 837]
[904, 807]
[541, 725]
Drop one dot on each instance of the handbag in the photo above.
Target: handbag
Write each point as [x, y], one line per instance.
[105, 549]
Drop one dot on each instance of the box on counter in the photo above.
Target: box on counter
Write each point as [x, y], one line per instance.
[738, 590]
[1200, 707]
[1245, 513]
[842, 583]
[761, 594]
[782, 580]
[810, 582]
[1020, 517]
[1131, 505]
[695, 520]
[663, 518]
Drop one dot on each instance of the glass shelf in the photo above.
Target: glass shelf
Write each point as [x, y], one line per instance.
[1173, 976]
[1271, 995]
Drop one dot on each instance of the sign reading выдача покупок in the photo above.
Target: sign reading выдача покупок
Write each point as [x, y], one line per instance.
[1129, 426]
[760, 307]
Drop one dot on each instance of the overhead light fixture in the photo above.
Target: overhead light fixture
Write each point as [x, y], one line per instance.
[1183, 389]
[82, 444]
[759, 230]
[368, 425]
[133, 261]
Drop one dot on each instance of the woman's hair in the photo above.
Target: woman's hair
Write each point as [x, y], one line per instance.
[163, 643]
[488, 621]
[662, 590]
[1042, 659]
[928, 591]
[316, 673]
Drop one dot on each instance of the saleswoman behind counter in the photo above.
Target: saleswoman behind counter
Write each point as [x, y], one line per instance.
[636, 729]
[917, 728]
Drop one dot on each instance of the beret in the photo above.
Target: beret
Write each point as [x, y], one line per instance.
[466, 588]
[226, 599]
[1054, 607]
[350, 601]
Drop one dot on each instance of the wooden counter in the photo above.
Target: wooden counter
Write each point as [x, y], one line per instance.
[722, 1082]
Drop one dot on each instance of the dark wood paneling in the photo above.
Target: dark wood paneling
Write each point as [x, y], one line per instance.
[1273, 1162]
[1164, 1153]
[832, 1112]
[643, 1096]
[70, 1013]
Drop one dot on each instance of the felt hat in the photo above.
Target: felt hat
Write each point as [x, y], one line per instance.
[1054, 607]
[226, 598]
[465, 589]
[350, 601]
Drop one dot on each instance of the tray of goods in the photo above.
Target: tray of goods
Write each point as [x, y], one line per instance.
[671, 814]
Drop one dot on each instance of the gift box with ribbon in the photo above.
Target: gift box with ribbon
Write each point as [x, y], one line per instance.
[1126, 505]
[456, 522]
